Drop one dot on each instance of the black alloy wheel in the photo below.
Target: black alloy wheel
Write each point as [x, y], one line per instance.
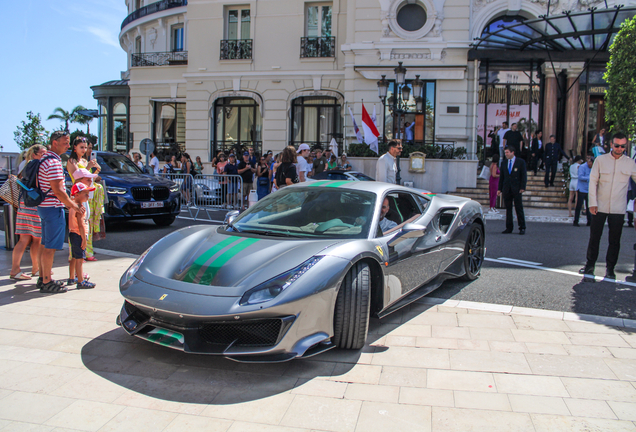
[474, 252]
[351, 317]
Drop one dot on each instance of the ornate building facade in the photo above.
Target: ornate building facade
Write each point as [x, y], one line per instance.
[206, 75]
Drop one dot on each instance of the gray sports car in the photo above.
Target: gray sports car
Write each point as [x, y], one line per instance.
[301, 271]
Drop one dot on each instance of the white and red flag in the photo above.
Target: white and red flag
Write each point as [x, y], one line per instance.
[355, 127]
[371, 133]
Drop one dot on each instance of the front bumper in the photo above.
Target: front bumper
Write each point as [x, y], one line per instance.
[125, 206]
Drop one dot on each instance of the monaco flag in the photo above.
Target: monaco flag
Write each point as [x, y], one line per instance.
[371, 133]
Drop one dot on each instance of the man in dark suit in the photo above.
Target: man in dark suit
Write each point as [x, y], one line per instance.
[551, 156]
[512, 185]
[536, 151]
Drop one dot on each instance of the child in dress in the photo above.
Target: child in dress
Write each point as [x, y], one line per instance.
[78, 235]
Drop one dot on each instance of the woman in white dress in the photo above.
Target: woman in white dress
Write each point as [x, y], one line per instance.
[574, 180]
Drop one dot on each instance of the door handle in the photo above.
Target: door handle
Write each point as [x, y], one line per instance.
[438, 238]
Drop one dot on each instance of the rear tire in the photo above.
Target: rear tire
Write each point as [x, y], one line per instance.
[351, 317]
[164, 220]
[474, 252]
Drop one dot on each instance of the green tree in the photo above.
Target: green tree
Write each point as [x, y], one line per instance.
[31, 132]
[81, 119]
[61, 114]
[621, 77]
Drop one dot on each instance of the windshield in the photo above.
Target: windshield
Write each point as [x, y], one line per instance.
[117, 164]
[361, 176]
[310, 212]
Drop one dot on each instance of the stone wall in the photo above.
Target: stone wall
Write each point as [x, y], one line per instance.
[441, 176]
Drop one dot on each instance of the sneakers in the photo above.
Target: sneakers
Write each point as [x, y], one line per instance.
[85, 285]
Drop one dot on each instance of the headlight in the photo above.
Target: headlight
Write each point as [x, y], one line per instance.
[116, 190]
[174, 188]
[127, 277]
[273, 287]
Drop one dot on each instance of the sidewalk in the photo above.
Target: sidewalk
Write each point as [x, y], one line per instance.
[456, 366]
[537, 215]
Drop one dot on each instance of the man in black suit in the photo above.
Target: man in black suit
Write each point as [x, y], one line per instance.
[536, 151]
[551, 156]
[512, 185]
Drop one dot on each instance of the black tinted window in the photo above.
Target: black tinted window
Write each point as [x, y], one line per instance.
[117, 164]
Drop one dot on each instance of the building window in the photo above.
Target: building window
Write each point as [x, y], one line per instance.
[411, 16]
[138, 45]
[318, 41]
[237, 124]
[138, 4]
[237, 44]
[177, 38]
[315, 121]
[120, 127]
[169, 128]
[238, 24]
[418, 127]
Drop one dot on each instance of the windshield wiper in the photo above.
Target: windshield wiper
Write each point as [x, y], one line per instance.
[267, 233]
[231, 225]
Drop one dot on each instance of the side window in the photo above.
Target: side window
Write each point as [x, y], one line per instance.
[402, 208]
[422, 202]
[337, 176]
[445, 219]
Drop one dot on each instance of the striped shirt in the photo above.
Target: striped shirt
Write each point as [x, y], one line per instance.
[50, 170]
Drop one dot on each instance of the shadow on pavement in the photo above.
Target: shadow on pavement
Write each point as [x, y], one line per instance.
[171, 375]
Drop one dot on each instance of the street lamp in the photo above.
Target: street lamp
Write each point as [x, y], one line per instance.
[398, 102]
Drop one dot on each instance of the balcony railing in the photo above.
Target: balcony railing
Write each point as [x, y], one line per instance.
[236, 49]
[173, 58]
[318, 47]
[152, 8]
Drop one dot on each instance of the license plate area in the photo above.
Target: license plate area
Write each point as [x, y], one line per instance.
[154, 204]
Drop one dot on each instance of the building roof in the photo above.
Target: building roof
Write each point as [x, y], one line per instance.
[593, 30]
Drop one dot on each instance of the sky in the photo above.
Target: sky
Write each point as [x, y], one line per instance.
[55, 51]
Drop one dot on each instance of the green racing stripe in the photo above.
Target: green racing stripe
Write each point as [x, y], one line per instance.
[204, 257]
[338, 183]
[221, 260]
[319, 183]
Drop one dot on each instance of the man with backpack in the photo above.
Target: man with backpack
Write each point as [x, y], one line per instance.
[50, 181]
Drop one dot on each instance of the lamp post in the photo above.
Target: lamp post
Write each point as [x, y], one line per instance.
[398, 103]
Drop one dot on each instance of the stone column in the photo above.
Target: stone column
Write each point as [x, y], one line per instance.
[549, 102]
[572, 107]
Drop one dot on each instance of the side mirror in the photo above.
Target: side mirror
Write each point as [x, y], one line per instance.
[408, 231]
[230, 216]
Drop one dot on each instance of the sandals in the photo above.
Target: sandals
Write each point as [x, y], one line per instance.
[53, 287]
[92, 258]
[21, 276]
[85, 285]
[74, 281]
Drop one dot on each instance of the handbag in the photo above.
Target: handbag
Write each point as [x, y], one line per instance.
[102, 230]
[10, 191]
[485, 173]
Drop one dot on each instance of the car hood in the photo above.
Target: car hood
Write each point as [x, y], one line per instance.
[129, 180]
[210, 261]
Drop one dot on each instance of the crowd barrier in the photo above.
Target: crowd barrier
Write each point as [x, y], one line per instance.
[204, 193]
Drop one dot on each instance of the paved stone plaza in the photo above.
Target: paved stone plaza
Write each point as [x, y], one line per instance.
[65, 365]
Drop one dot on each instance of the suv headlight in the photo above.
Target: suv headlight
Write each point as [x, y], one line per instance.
[127, 277]
[273, 287]
[174, 188]
[116, 190]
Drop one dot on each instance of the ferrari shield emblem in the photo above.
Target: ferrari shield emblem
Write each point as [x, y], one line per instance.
[163, 296]
[379, 248]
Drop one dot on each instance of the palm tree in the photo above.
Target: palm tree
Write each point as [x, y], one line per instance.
[82, 119]
[63, 115]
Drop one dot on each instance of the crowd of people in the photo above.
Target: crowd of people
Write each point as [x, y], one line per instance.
[43, 227]
[267, 173]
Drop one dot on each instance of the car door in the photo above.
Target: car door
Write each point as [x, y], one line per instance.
[411, 261]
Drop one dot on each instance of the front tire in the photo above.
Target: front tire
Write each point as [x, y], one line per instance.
[474, 252]
[164, 220]
[351, 317]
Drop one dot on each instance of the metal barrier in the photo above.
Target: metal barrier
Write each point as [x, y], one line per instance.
[209, 192]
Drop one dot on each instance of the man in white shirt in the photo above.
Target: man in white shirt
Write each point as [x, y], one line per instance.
[154, 163]
[386, 168]
[302, 164]
[501, 132]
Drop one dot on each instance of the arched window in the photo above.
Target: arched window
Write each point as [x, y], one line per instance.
[315, 121]
[237, 123]
[506, 21]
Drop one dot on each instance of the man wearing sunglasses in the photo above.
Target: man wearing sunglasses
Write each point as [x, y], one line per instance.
[608, 188]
